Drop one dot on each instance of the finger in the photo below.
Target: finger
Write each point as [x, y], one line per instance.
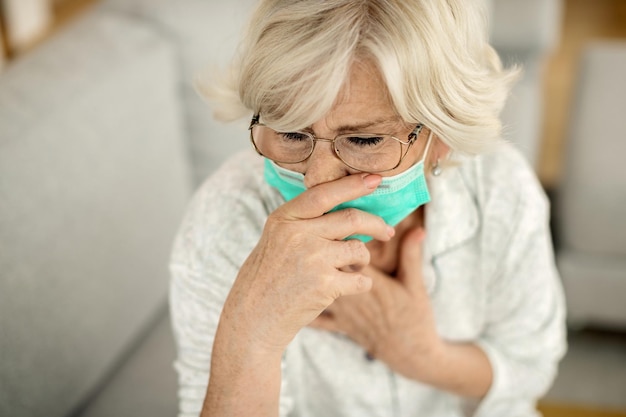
[410, 265]
[349, 283]
[341, 224]
[381, 295]
[375, 273]
[354, 316]
[322, 198]
[350, 255]
[326, 322]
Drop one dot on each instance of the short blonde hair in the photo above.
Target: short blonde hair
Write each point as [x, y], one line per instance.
[434, 56]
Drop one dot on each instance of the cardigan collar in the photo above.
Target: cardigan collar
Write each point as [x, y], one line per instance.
[452, 214]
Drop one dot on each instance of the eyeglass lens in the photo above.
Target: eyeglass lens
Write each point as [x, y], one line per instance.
[364, 152]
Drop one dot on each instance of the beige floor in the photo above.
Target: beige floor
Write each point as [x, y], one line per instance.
[592, 374]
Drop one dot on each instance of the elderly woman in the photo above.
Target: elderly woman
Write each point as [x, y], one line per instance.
[387, 254]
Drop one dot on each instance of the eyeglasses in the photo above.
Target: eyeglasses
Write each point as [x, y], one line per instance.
[365, 152]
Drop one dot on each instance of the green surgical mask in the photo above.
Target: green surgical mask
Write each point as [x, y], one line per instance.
[395, 198]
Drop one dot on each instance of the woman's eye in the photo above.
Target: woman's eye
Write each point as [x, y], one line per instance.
[295, 136]
[365, 140]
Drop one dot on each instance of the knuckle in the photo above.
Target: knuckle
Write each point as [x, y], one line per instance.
[357, 249]
[326, 291]
[353, 217]
[294, 239]
[361, 283]
[274, 220]
[285, 237]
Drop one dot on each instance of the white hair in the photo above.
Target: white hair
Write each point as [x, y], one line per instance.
[433, 55]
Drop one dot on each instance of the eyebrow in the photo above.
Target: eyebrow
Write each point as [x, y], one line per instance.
[382, 122]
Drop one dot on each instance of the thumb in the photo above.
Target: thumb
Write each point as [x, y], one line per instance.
[410, 267]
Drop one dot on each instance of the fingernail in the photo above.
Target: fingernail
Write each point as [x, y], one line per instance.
[372, 181]
[391, 231]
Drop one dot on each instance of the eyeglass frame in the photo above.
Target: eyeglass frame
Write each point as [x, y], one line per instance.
[411, 139]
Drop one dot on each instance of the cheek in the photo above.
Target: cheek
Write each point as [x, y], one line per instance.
[301, 167]
[411, 158]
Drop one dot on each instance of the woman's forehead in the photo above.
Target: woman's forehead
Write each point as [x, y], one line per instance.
[363, 102]
[364, 85]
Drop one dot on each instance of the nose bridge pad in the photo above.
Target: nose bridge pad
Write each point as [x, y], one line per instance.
[331, 142]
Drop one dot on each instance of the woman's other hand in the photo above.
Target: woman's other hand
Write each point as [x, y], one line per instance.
[394, 321]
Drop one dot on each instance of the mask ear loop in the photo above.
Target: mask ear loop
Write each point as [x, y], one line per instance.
[428, 142]
[435, 168]
[430, 276]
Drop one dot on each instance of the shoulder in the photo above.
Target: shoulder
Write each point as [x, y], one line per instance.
[493, 200]
[513, 209]
[504, 184]
[228, 211]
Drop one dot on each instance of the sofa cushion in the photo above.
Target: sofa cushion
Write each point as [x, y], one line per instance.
[93, 183]
[525, 26]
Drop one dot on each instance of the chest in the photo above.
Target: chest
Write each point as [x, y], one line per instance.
[385, 255]
[328, 374]
[455, 281]
[458, 293]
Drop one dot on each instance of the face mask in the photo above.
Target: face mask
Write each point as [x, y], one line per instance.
[395, 198]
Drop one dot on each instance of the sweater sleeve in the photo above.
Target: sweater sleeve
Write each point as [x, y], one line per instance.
[524, 336]
[223, 223]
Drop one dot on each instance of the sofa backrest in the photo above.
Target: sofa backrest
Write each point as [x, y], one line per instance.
[93, 183]
[206, 34]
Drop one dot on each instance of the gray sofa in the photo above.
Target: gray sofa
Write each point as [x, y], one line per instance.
[102, 140]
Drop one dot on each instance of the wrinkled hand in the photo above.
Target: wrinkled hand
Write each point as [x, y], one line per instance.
[394, 321]
[301, 264]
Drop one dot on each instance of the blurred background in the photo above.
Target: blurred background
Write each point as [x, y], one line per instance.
[103, 139]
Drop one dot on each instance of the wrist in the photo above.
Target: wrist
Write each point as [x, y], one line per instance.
[239, 366]
[460, 368]
[236, 333]
[426, 367]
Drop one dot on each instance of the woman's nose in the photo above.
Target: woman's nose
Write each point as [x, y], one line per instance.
[323, 165]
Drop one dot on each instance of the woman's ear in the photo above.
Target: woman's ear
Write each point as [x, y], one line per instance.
[437, 157]
[439, 151]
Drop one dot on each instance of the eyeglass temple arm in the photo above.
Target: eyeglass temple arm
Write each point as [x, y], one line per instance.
[415, 133]
[255, 120]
